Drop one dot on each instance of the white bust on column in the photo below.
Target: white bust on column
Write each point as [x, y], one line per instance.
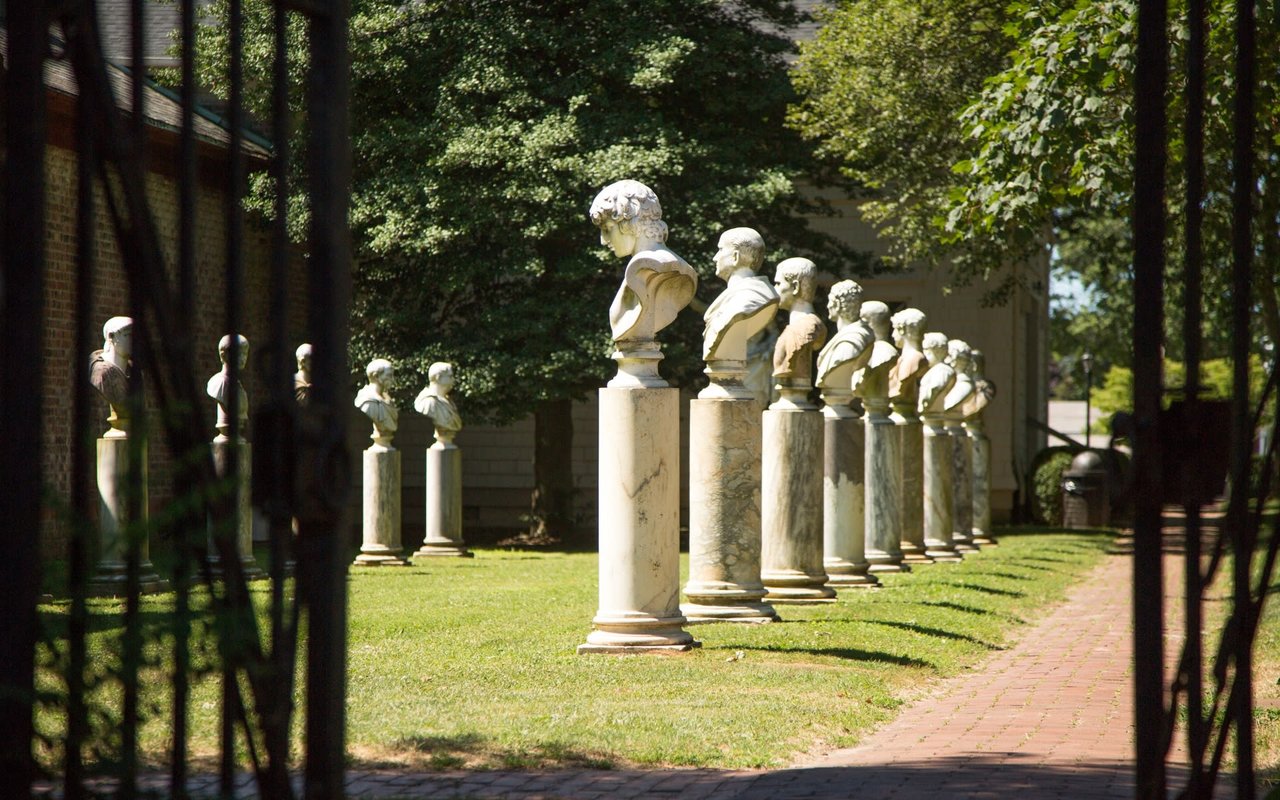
[904, 395]
[883, 457]
[444, 466]
[639, 484]
[791, 492]
[984, 391]
[109, 374]
[961, 452]
[844, 439]
[222, 387]
[302, 378]
[380, 545]
[938, 458]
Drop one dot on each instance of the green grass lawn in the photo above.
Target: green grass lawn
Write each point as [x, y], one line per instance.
[471, 662]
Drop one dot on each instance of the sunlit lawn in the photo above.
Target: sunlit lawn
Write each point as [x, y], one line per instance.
[471, 662]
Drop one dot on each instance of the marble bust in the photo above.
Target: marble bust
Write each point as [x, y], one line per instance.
[962, 389]
[795, 281]
[847, 351]
[302, 378]
[219, 385]
[871, 382]
[748, 302]
[657, 283]
[434, 402]
[109, 372]
[937, 381]
[984, 391]
[374, 399]
[904, 378]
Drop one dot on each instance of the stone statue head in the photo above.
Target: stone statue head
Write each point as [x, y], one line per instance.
[303, 354]
[979, 362]
[626, 212]
[795, 279]
[242, 347]
[935, 346]
[740, 248]
[908, 327]
[117, 337]
[844, 301]
[958, 353]
[381, 374]
[440, 374]
[876, 315]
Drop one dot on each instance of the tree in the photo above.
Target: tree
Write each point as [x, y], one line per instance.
[481, 132]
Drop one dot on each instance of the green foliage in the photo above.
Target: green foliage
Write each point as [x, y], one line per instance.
[481, 132]
[881, 85]
[1216, 378]
[1046, 483]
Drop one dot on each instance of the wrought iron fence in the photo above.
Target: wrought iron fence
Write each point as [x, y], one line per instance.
[300, 478]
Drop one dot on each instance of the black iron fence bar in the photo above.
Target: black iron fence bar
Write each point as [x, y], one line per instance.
[22, 240]
[1150, 80]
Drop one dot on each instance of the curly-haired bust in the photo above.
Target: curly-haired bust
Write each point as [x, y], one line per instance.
[657, 282]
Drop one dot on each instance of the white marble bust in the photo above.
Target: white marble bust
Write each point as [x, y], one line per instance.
[795, 282]
[748, 302]
[958, 357]
[904, 378]
[657, 283]
[109, 372]
[849, 350]
[984, 391]
[434, 402]
[219, 385]
[871, 382]
[302, 378]
[939, 378]
[374, 399]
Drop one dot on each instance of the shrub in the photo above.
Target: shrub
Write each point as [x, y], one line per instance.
[1046, 483]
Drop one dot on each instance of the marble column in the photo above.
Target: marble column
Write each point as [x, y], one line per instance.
[639, 483]
[444, 503]
[844, 496]
[791, 558]
[911, 444]
[115, 528]
[938, 458]
[243, 512]
[981, 444]
[954, 404]
[883, 454]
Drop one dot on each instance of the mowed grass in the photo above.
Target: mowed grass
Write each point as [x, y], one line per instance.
[472, 663]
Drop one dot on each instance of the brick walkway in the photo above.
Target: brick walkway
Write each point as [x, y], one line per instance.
[1050, 717]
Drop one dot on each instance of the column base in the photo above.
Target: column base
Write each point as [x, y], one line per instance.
[942, 553]
[638, 634]
[914, 554]
[113, 584]
[754, 613]
[885, 563]
[445, 550]
[984, 539]
[380, 560]
[843, 574]
[797, 587]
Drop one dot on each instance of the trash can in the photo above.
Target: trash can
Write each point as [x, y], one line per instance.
[1085, 498]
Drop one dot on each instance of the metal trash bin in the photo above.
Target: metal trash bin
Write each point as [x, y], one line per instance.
[1086, 501]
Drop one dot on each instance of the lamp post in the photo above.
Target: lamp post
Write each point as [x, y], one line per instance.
[1087, 361]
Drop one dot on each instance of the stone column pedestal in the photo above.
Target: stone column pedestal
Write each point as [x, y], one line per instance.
[884, 490]
[221, 447]
[791, 507]
[981, 444]
[639, 517]
[724, 513]
[444, 503]
[381, 545]
[938, 491]
[114, 525]
[962, 488]
[843, 498]
[911, 444]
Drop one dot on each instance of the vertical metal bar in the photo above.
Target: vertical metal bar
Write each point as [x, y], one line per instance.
[192, 524]
[21, 314]
[323, 515]
[135, 529]
[1149, 255]
[1242, 433]
[1193, 259]
[82, 458]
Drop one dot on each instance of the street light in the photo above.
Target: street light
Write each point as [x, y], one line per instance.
[1086, 360]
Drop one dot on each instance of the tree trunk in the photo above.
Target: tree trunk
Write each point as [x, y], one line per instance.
[551, 513]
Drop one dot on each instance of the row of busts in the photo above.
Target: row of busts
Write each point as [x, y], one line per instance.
[374, 400]
[109, 373]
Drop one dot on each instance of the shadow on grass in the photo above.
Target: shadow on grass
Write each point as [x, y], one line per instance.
[939, 632]
[978, 587]
[1018, 562]
[1013, 576]
[849, 653]
[472, 751]
[973, 610]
